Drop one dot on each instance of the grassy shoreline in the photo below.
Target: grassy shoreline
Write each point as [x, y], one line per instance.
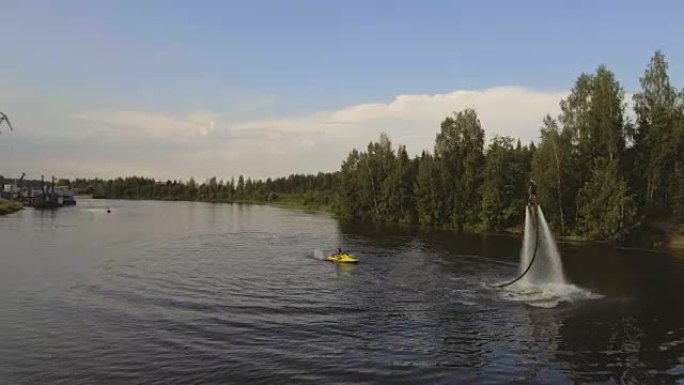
[8, 207]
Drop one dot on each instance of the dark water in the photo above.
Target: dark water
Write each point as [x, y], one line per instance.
[190, 293]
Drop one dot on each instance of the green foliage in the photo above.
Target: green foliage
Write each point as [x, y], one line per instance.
[554, 169]
[350, 203]
[606, 209]
[307, 191]
[8, 207]
[593, 113]
[430, 206]
[658, 133]
[503, 192]
[459, 153]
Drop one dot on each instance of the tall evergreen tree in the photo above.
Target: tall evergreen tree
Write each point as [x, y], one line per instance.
[430, 204]
[552, 166]
[503, 191]
[459, 146]
[658, 108]
[607, 210]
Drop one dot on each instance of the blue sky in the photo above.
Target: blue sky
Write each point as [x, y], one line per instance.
[70, 69]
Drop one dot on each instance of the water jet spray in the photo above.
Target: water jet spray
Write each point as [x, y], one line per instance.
[533, 212]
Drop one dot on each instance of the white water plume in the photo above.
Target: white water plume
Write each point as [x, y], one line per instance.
[527, 250]
[544, 285]
[554, 264]
[540, 245]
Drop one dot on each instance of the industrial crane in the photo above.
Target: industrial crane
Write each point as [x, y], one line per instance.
[4, 118]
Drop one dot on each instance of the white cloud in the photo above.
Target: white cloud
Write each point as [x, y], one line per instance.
[202, 143]
[414, 119]
[136, 124]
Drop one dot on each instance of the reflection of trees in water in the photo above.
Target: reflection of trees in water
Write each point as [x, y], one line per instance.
[624, 343]
[530, 335]
[374, 238]
[599, 268]
[634, 334]
[445, 242]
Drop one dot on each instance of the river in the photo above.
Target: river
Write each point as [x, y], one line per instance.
[190, 293]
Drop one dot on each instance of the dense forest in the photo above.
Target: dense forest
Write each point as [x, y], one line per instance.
[600, 175]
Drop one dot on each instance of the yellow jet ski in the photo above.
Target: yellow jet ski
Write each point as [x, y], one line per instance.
[341, 258]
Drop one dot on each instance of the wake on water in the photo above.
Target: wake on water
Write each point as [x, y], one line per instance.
[544, 285]
[318, 254]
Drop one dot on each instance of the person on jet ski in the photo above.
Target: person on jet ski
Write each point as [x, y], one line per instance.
[339, 251]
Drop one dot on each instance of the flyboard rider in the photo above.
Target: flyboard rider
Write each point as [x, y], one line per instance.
[532, 200]
[532, 193]
[532, 215]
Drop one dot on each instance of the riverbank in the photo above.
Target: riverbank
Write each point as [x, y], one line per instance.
[305, 202]
[677, 242]
[8, 207]
[671, 238]
[675, 237]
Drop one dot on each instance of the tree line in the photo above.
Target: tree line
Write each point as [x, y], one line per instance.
[311, 191]
[600, 175]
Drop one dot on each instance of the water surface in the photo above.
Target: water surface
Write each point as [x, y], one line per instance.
[183, 293]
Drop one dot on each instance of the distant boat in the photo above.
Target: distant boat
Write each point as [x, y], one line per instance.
[65, 196]
[51, 198]
[47, 195]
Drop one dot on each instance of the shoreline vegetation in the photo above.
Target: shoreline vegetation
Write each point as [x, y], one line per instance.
[600, 176]
[295, 204]
[8, 207]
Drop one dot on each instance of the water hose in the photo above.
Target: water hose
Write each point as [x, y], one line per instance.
[534, 254]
